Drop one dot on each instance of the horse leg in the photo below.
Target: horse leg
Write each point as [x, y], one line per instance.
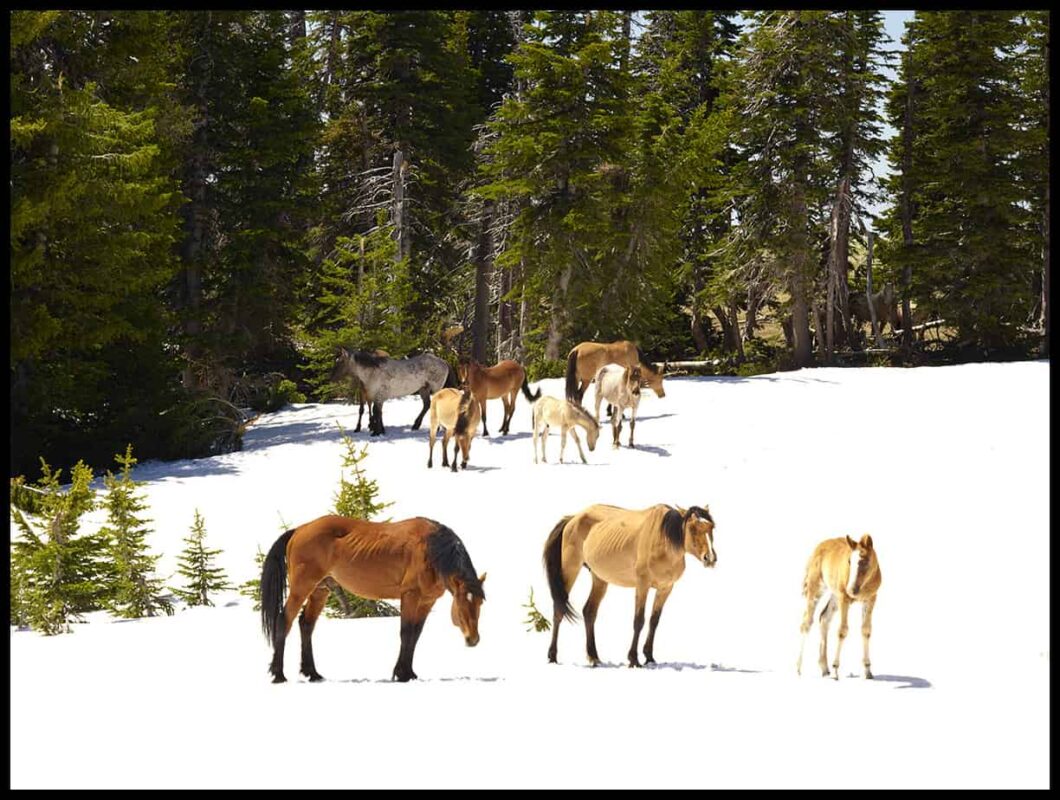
[589, 613]
[638, 620]
[465, 449]
[653, 623]
[844, 608]
[533, 434]
[413, 615]
[866, 632]
[577, 441]
[360, 415]
[445, 445]
[812, 596]
[456, 450]
[616, 430]
[425, 396]
[306, 622]
[544, 439]
[562, 441]
[826, 621]
[632, 423]
[300, 590]
[599, 399]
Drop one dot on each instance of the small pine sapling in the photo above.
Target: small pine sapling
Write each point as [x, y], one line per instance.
[534, 618]
[196, 564]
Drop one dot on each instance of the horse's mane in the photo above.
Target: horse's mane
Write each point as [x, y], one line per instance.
[673, 528]
[644, 362]
[366, 359]
[588, 418]
[446, 553]
[702, 513]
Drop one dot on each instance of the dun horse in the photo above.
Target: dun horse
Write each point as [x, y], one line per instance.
[585, 360]
[850, 572]
[416, 560]
[488, 383]
[358, 392]
[386, 378]
[642, 549]
[621, 388]
[547, 411]
[457, 412]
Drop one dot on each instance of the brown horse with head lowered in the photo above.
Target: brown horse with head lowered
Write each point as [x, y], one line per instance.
[586, 359]
[502, 380]
[416, 561]
[850, 572]
[639, 549]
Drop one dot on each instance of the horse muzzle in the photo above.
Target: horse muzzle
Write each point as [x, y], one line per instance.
[709, 560]
[471, 642]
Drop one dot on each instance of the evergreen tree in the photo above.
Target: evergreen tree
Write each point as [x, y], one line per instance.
[252, 587]
[196, 564]
[59, 573]
[133, 591]
[356, 498]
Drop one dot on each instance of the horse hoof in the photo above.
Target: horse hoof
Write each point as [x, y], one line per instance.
[316, 677]
[868, 675]
[635, 665]
[279, 679]
[648, 659]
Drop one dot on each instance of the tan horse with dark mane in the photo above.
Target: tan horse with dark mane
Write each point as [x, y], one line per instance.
[586, 359]
[416, 560]
[457, 412]
[850, 572]
[502, 380]
[639, 549]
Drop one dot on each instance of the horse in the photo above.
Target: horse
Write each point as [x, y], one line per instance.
[585, 360]
[548, 411]
[621, 388]
[457, 412]
[358, 392]
[851, 573]
[385, 378]
[885, 305]
[488, 383]
[642, 549]
[415, 560]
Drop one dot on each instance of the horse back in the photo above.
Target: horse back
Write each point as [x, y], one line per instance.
[619, 543]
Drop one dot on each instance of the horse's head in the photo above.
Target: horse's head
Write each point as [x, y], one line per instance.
[592, 429]
[861, 557]
[467, 602]
[653, 379]
[342, 361]
[699, 535]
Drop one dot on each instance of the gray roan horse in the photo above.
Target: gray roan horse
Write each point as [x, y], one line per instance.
[386, 378]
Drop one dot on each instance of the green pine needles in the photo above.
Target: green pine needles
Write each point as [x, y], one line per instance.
[196, 565]
[134, 591]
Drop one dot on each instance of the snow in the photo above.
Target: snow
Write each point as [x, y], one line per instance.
[960, 645]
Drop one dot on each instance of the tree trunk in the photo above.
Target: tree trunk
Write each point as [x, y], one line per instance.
[837, 261]
[623, 56]
[800, 311]
[1045, 276]
[754, 302]
[192, 248]
[734, 315]
[868, 293]
[400, 227]
[906, 207]
[480, 326]
[558, 315]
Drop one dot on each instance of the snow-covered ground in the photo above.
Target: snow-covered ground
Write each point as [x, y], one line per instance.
[946, 467]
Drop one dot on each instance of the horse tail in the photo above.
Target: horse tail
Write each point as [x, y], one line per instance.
[572, 376]
[526, 391]
[462, 414]
[273, 586]
[451, 381]
[553, 558]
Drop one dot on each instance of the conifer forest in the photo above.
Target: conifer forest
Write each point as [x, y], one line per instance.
[205, 205]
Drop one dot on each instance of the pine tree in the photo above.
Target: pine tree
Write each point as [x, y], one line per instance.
[59, 573]
[133, 591]
[196, 564]
[356, 498]
[252, 587]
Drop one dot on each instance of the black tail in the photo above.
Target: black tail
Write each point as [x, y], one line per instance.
[553, 559]
[274, 585]
[462, 414]
[572, 377]
[526, 391]
[451, 381]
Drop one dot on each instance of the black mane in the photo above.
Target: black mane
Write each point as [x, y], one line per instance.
[446, 553]
[673, 527]
[366, 359]
[702, 513]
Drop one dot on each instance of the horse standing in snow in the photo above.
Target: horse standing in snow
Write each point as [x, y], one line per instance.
[621, 388]
[358, 392]
[548, 411]
[386, 378]
[850, 571]
[642, 549]
[502, 380]
[585, 360]
[416, 560]
[457, 412]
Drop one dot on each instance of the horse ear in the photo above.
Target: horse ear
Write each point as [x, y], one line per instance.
[482, 578]
[866, 541]
[852, 543]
